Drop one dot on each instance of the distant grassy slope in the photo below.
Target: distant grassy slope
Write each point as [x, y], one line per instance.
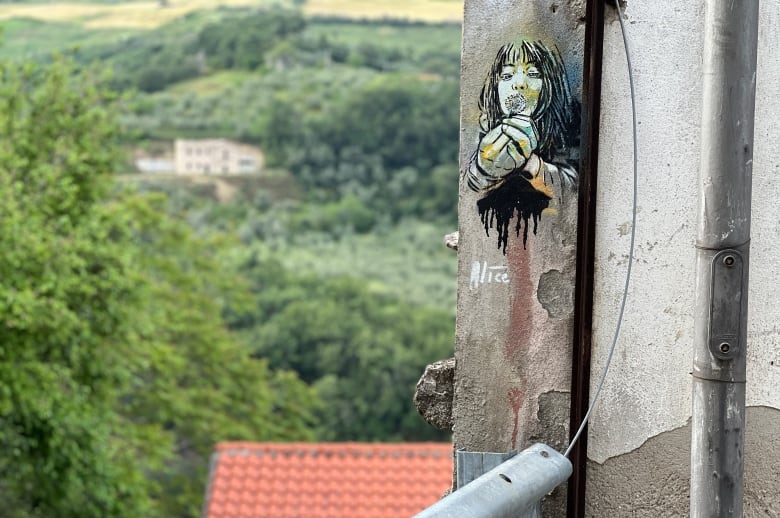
[415, 41]
[218, 83]
[27, 38]
[148, 15]
[423, 10]
[408, 261]
[37, 38]
[231, 103]
[224, 188]
[138, 15]
[228, 103]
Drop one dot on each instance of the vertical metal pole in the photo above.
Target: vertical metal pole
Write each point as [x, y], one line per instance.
[586, 251]
[722, 246]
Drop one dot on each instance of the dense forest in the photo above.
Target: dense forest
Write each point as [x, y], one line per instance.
[141, 322]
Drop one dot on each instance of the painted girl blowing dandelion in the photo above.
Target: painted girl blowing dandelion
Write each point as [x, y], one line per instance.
[529, 127]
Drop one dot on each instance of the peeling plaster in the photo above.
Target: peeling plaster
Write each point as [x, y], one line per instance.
[656, 475]
[555, 294]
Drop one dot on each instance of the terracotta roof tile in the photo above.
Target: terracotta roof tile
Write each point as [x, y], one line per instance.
[326, 480]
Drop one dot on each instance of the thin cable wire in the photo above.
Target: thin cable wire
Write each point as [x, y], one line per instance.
[631, 245]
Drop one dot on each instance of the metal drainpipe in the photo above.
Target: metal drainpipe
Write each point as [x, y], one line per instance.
[722, 249]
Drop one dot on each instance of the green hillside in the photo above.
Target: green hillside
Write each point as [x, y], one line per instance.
[139, 14]
[302, 307]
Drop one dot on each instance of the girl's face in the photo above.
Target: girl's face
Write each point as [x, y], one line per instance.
[519, 86]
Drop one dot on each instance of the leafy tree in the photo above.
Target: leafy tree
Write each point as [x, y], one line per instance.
[117, 372]
[164, 69]
[194, 45]
[198, 383]
[369, 55]
[363, 351]
[278, 129]
[382, 144]
[241, 42]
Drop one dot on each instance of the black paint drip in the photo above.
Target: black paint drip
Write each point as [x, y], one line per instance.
[515, 197]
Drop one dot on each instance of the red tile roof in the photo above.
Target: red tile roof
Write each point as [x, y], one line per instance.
[317, 480]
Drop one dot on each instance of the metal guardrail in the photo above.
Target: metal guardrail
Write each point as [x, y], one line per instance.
[513, 489]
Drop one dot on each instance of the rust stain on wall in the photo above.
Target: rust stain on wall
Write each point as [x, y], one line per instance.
[516, 397]
[521, 301]
[521, 324]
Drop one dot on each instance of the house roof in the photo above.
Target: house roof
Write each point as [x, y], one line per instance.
[323, 480]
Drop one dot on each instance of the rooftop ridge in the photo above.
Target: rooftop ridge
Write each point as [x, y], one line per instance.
[356, 446]
[318, 480]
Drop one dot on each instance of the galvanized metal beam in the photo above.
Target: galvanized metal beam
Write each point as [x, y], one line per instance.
[513, 489]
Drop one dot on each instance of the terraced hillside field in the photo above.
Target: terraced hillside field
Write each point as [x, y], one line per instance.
[148, 15]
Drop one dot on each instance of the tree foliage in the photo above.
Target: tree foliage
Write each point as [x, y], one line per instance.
[381, 123]
[383, 145]
[228, 39]
[362, 351]
[242, 42]
[131, 341]
[117, 371]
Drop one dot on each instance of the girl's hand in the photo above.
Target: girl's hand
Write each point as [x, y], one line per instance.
[507, 147]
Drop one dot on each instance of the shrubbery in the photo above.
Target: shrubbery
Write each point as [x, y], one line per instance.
[139, 328]
[118, 372]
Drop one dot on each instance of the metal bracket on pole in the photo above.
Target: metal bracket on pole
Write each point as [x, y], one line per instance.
[513, 489]
[726, 304]
[722, 314]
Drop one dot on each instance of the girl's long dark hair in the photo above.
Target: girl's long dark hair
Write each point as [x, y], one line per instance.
[556, 114]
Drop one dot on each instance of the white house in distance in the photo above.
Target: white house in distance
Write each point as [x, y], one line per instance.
[216, 157]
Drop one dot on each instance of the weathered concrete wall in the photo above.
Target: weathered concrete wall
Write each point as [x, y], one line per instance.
[654, 479]
[639, 437]
[515, 304]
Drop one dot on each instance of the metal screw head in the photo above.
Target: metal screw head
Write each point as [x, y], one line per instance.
[729, 260]
[725, 347]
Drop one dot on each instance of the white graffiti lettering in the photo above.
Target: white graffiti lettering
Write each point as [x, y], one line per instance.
[481, 274]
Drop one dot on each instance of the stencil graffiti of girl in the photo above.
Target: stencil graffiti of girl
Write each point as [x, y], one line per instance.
[529, 130]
